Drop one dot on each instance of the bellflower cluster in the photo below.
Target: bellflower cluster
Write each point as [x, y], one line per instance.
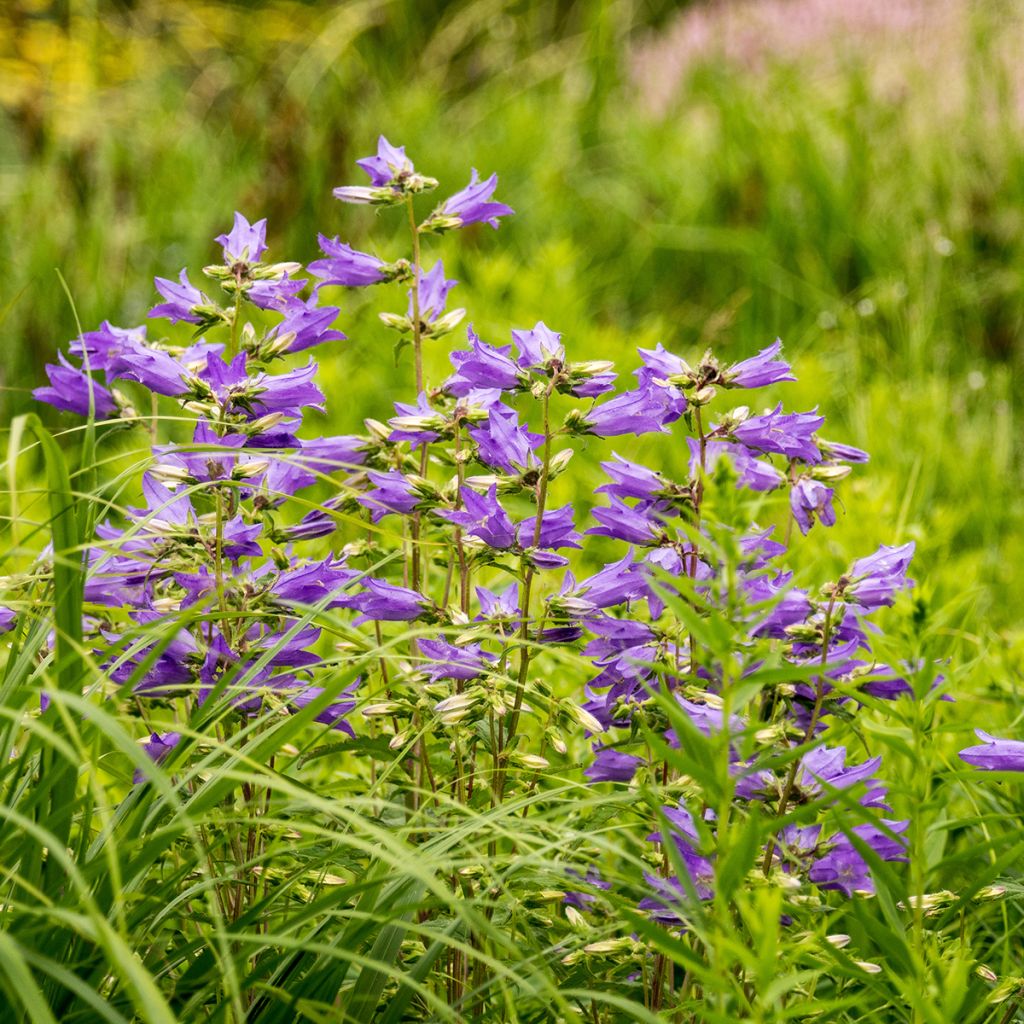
[449, 551]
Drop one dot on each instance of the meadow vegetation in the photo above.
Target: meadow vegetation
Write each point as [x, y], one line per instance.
[669, 188]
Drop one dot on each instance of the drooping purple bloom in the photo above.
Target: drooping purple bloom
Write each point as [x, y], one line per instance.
[274, 293]
[631, 480]
[610, 765]
[825, 767]
[619, 520]
[483, 366]
[482, 516]
[246, 242]
[156, 370]
[433, 288]
[333, 715]
[995, 755]
[308, 323]
[875, 579]
[103, 343]
[644, 410]
[448, 661]
[557, 530]
[386, 602]
[473, 204]
[811, 499]
[843, 867]
[760, 548]
[70, 389]
[392, 493]
[346, 266]
[789, 434]
[182, 299]
[313, 583]
[755, 474]
[327, 454]
[503, 442]
[836, 452]
[759, 370]
[615, 584]
[157, 747]
[792, 605]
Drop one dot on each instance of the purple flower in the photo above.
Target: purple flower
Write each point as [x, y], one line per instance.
[836, 452]
[995, 755]
[759, 370]
[538, 347]
[274, 294]
[826, 767]
[308, 323]
[413, 422]
[347, 266]
[875, 579]
[385, 602]
[557, 530]
[755, 474]
[611, 765]
[263, 393]
[483, 366]
[844, 868]
[499, 607]
[810, 499]
[432, 288]
[157, 747]
[633, 525]
[326, 454]
[503, 442]
[392, 493]
[642, 411]
[70, 389]
[450, 662]
[312, 583]
[152, 368]
[333, 714]
[105, 342]
[389, 163]
[245, 243]
[631, 480]
[182, 300]
[658, 365]
[482, 516]
[616, 583]
[472, 204]
[788, 434]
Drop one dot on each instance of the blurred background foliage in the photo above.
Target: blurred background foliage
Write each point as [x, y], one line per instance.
[848, 176]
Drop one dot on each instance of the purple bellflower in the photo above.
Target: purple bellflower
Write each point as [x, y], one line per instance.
[995, 755]
[759, 370]
[181, 300]
[473, 204]
[246, 243]
[70, 389]
[347, 266]
[788, 434]
[811, 499]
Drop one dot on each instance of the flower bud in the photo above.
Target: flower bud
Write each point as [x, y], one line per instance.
[703, 395]
[585, 718]
[396, 322]
[387, 707]
[444, 324]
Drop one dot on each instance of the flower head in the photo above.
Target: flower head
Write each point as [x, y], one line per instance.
[246, 242]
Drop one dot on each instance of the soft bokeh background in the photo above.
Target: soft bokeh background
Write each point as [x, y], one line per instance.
[847, 176]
